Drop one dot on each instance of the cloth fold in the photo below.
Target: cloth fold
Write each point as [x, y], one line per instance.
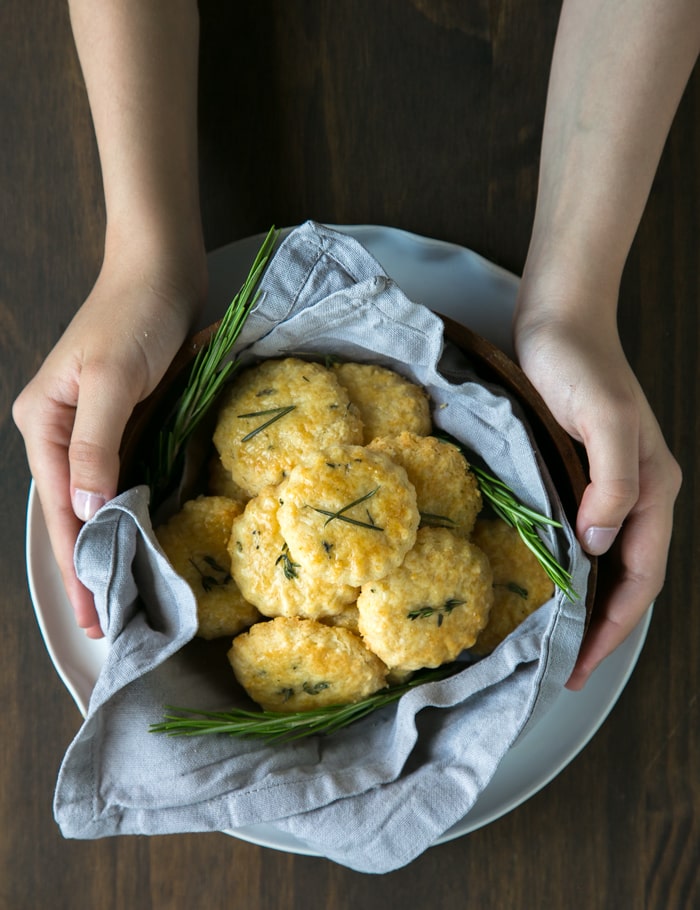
[374, 795]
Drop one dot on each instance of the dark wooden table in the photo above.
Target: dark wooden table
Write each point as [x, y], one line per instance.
[425, 115]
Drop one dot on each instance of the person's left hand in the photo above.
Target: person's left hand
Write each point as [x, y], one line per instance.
[578, 366]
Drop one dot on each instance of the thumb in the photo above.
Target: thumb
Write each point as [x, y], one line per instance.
[613, 457]
[104, 406]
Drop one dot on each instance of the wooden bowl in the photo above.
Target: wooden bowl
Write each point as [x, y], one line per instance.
[561, 456]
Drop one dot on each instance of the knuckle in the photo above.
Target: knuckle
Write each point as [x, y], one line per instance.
[85, 456]
[621, 493]
[20, 409]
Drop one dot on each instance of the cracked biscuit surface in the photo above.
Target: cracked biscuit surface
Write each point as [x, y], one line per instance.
[349, 515]
[276, 412]
[292, 665]
[267, 572]
[195, 541]
[432, 607]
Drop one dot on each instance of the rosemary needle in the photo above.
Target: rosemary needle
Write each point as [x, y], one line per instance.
[341, 516]
[275, 413]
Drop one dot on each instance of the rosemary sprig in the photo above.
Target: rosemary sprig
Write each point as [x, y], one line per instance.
[278, 725]
[341, 516]
[526, 522]
[208, 373]
[276, 414]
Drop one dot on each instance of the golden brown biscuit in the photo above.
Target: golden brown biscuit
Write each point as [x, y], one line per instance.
[447, 492]
[347, 618]
[300, 664]
[349, 515]
[277, 412]
[195, 542]
[432, 607]
[388, 403]
[267, 572]
[220, 482]
[520, 584]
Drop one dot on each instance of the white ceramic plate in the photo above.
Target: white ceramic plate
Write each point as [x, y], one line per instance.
[455, 282]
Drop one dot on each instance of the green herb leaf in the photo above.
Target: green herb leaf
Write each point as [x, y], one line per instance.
[526, 521]
[276, 414]
[208, 373]
[341, 516]
[281, 726]
[288, 567]
[444, 610]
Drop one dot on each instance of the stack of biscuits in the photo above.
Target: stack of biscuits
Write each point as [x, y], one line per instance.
[340, 543]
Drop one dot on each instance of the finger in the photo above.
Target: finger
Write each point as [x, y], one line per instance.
[46, 443]
[104, 406]
[641, 554]
[613, 457]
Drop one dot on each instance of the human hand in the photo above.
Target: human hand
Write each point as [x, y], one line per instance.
[578, 366]
[73, 412]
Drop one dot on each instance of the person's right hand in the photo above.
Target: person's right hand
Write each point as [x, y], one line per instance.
[73, 412]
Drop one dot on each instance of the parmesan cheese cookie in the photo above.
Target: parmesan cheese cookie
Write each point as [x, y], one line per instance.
[520, 584]
[300, 664]
[349, 515]
[267, 572]
[195, 542]
[348, 618]
[220, 482]
[448, 493]
[432, 607]
[388, 403]
[277, 412]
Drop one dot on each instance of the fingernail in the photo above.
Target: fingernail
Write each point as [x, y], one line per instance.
[86, 504]
[598, 540]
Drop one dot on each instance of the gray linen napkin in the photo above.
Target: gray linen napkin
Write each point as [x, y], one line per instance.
[377, 794]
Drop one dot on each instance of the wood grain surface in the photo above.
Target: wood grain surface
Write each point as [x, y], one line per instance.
[425, 115]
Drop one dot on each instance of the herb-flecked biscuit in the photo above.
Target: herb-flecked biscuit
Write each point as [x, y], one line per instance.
[349, 515]
[432, 607]
[520, 584]
[388, 403]
[195, 541]
[448, 493]
[277, 412]
[267, 572]
[290, 665]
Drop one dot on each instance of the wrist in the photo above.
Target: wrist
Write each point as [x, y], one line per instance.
[169, 259]
[565, 282]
